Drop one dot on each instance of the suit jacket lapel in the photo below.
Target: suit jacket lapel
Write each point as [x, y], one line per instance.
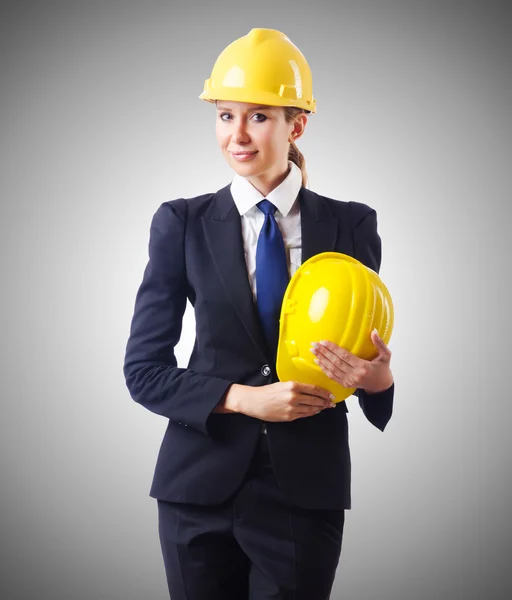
[223, 232]
[319, 227]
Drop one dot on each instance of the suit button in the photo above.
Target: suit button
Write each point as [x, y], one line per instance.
[265, 370]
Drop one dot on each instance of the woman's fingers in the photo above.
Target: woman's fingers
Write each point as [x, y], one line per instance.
[315, 401]
[302, 410]
[337, 355]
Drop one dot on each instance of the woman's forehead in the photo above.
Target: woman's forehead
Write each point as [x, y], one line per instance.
[241, 106]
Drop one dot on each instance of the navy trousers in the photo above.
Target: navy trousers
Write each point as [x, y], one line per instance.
[255, 546]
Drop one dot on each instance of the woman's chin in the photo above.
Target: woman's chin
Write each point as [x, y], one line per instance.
[243, 168]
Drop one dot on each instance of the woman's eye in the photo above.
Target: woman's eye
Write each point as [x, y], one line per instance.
[255, 114]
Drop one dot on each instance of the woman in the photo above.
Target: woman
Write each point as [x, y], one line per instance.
[253, 475]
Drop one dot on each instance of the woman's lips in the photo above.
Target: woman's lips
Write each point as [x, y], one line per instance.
[243, 156]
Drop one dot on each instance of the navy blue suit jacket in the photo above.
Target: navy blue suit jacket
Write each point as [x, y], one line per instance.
[196, 253]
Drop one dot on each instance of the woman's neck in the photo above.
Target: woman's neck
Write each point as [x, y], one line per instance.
[266, 182]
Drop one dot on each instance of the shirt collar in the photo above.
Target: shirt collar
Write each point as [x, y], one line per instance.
[283, 196]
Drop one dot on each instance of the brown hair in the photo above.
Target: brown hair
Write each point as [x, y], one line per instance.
[294, 154]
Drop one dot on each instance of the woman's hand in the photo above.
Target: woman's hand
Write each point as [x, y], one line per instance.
[281, 401]
[349, 370]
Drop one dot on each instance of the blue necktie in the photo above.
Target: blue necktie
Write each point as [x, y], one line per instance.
[271, 274]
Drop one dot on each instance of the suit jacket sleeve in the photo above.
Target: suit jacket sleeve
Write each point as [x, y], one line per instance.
[150, 367]
[367, 248]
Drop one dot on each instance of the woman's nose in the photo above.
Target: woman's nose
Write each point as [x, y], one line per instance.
[240, 133]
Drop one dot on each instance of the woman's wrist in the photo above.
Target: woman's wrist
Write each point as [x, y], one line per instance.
[383, 387]
[232, 401]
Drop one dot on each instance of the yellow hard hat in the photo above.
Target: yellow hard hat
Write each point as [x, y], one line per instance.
[334, 297]
[262, 67]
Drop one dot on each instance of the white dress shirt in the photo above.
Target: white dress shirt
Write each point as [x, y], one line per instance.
[287, 215]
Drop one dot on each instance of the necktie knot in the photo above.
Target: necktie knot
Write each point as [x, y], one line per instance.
[266, 207]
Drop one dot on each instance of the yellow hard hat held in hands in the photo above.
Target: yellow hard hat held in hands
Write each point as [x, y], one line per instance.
[333, 297]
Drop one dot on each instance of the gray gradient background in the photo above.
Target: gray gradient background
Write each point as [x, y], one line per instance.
[100, 123]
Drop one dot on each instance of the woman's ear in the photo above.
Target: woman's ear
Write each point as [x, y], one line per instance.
[298, 127]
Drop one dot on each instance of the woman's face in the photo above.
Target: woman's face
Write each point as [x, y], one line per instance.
[260, 131]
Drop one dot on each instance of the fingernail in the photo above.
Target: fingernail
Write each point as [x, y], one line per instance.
[332, 396]
[333, 405]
